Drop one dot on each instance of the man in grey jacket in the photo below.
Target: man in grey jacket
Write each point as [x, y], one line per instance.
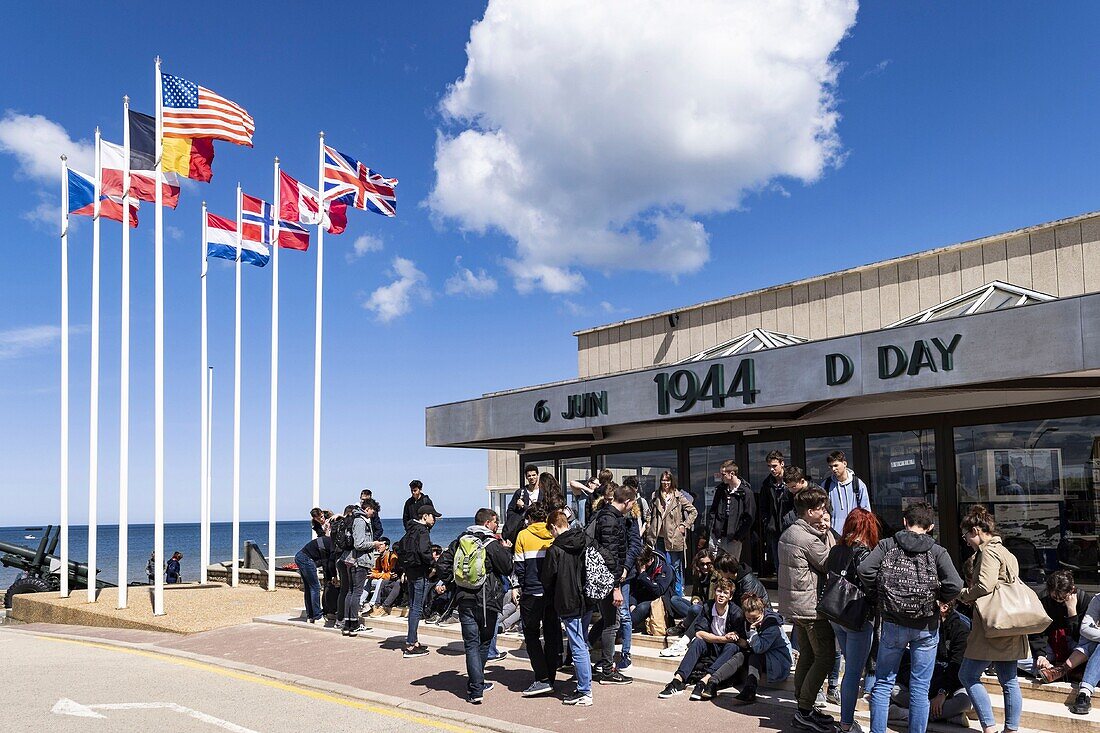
[360, 560]
[803, 550]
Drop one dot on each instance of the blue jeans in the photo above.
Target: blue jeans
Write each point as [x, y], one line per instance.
[311, 586]
[625, 621]
[719, 654]
[922, 645]
[855, 646]
[477, 633]
[675, 560]
[683, 608]
[970, 674]
[577, 635]
[1091, 676]
[418, 587]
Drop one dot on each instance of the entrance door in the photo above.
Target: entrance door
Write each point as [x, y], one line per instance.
[903, 470]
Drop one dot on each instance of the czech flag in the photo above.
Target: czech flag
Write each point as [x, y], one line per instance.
[82, 200]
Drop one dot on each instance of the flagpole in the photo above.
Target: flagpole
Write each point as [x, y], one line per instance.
[237, 405]
[64, 377]
[273, 447]
[317, 325]
[124, 389]
[93, 427]
[209, 458]
[204, 460]
[158, 360]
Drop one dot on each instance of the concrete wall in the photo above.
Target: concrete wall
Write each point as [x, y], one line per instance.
[503, 469]
[1061, 259]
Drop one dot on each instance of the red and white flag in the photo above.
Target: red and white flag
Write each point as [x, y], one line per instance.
[112, 164]
[301, 203]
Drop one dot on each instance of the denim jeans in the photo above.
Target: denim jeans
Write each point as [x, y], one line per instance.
[970, 674]
[675, 561]
[577, 635]
[719, 654]
[683, 608]
[478, 626]
[922, 645]
[625, 621]
[855, 646]
[1091, 676]
[417, 588]
[311, 586]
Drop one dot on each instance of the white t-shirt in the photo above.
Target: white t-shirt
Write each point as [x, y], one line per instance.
[718, 621]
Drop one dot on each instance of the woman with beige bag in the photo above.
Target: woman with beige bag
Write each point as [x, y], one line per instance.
[1004, 613]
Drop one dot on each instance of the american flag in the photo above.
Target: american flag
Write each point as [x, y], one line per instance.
[193, 111]
[349, 181]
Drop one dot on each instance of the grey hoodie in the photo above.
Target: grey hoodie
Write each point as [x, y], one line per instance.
[363, 554]
[913, 543]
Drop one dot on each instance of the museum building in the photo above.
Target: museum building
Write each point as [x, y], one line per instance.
[965, 374]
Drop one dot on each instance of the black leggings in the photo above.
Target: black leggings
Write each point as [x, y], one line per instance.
[345, 586]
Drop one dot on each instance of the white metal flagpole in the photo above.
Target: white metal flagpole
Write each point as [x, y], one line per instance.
[124, 388]
[158, 363]
[93, 386]
[64, 377]
[204, 461]
[317, 326]
[237, 406]
[273, 448]
[209, 459]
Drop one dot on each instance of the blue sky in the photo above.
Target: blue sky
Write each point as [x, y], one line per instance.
[940, 124]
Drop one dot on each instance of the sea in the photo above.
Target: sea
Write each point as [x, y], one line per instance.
[290, 536]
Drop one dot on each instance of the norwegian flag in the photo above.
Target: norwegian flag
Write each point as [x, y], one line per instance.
[301, 203]
[257, 224]
[350, 182]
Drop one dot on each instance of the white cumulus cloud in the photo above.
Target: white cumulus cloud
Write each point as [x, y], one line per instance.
[596, 135]
[364, 244]
[38, 144]
[391, 301]
[465, 281]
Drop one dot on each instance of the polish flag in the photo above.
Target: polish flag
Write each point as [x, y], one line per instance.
[301, 203]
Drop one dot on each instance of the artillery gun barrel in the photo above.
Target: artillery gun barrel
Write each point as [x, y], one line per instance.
[24, 558]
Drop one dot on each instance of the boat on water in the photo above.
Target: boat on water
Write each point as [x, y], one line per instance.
[29, 537]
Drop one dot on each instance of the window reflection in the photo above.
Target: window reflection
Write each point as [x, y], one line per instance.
[903, 471]
[818, 449]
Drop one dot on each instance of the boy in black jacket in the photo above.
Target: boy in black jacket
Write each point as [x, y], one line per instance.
[563, 583]
[612, 541]
[478, 609]
[717, 635]
[415, 554]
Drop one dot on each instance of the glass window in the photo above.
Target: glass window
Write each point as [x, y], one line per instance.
[757, 470]
[903, 470]
[818, 449]
[574, 469]
[646, 466]
[1039, 478]
[705, 475]
[959, 308]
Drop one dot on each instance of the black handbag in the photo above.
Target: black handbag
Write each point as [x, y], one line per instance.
[842, 601]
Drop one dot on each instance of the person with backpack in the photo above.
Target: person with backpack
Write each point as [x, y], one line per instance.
[949, 700]
[472, 568]
[910, 573]
[853, 634]
[415, 556]
[540, 621]
[317, 553]
[563, 582]
[803, 550]
[608, 533]
[359, 559]
[993, 565]
[671, 517]
[846, 491]
[732, 512]
[342, 542]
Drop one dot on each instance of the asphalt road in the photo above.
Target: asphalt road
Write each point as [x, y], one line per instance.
[63, 685]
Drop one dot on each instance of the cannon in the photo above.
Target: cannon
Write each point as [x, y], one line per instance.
[41, 569]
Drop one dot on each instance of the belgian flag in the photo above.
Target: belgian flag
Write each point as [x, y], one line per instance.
[188, 157]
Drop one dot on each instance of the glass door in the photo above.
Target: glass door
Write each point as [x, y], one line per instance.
[903, 470]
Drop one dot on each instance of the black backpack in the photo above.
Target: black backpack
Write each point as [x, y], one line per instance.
[908, 584]
[340, 531]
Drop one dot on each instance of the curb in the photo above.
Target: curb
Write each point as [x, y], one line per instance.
[310, 683]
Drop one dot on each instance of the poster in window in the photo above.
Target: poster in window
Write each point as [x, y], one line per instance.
[1025, 475]
[1037, 524]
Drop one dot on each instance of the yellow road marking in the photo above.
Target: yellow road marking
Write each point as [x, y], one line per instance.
[275, 684]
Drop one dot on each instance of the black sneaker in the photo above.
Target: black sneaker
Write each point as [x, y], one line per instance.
[416, 650]
[615, 677]
[474, 699]
[747, 694]
[697, 691]
[1082, 705]
[676, 687]
[823, 717]
[577, 698]
[357, 629]
[710, 691]
[810, 722]
[345, 629]
[832, 695]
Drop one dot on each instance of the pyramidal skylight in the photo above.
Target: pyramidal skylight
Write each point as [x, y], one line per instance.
[757, 339]
[993, 296]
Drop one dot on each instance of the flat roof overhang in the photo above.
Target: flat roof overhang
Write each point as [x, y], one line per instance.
[1035, 353]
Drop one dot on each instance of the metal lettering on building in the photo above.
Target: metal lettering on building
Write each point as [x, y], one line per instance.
[684, 387]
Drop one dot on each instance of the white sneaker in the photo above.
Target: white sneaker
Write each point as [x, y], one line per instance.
[678, 649]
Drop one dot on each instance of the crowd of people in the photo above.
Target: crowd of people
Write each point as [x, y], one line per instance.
[912, 634]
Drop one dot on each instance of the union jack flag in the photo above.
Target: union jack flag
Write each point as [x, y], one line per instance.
[257, 223]
[350, 182]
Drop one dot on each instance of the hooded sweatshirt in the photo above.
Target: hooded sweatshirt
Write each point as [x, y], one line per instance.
[912, 543]
[498, 562]
[563, 573]
[530, 556]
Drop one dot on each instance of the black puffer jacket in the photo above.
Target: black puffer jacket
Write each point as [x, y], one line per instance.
[610, 534]
[415, 550]
[563, 573]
